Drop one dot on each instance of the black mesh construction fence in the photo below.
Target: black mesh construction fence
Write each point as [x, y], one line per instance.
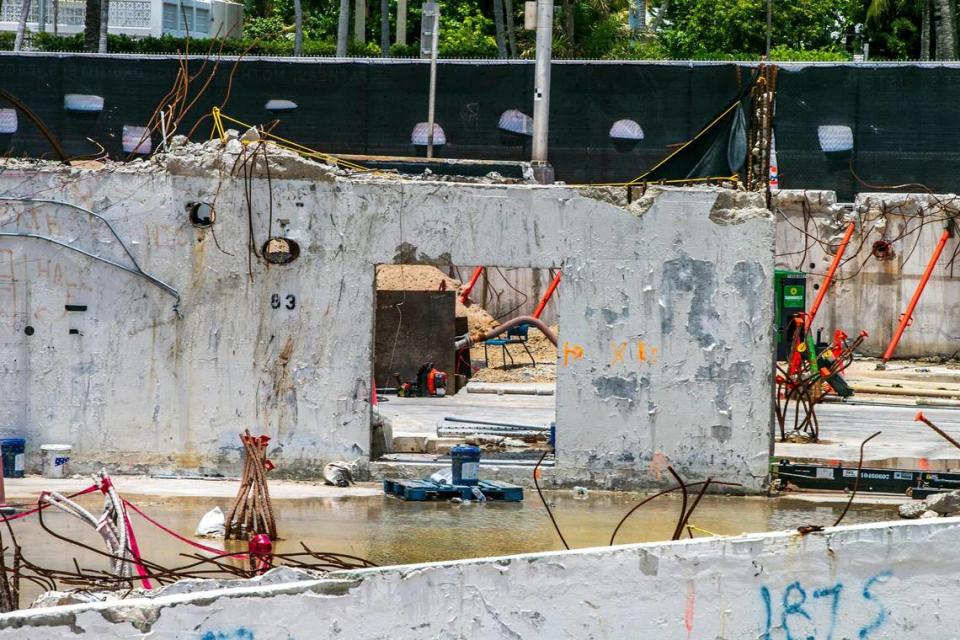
[889, 124]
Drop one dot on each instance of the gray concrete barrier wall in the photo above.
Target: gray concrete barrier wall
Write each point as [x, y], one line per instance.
[873, 582]
[287, 349]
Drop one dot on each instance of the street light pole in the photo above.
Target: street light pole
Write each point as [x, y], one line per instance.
[541, 92]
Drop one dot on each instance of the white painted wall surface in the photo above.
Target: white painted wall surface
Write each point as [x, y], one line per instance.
[287, 350]
[871, 294]
[868, 582]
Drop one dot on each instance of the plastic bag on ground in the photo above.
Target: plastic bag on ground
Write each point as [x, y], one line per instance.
[212, 524]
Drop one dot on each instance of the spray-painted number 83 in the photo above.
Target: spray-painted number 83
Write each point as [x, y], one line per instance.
[815, 615]
[289, 302]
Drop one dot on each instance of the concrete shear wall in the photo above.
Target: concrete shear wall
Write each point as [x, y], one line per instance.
[871, 293]
[872, 582]
[665, 343]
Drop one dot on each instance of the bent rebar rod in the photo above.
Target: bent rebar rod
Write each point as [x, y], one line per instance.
[137, 270]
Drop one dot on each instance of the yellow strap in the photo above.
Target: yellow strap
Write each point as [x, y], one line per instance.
[698, 529]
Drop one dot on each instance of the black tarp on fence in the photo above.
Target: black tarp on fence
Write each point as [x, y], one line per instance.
[903, 118]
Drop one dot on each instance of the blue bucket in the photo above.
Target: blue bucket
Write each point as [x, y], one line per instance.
[466, 465]
[13, 451]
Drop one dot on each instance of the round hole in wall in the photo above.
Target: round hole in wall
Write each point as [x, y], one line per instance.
[816, 286]
[202, 215]
[280, 250]
[882, 250]
[28, 330]
[813, 265]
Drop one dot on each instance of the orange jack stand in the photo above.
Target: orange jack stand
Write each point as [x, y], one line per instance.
[907, 318]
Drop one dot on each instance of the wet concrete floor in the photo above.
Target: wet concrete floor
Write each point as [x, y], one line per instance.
[390, 531]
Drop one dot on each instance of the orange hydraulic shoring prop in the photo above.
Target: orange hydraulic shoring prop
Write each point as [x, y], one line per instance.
[907, 318]
[470, 284]
[828, 279]
[546, 296]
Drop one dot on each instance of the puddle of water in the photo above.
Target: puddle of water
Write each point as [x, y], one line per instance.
[390, 531]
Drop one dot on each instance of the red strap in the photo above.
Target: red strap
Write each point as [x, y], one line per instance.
[135, 551]
[176, 535]
[30, 512]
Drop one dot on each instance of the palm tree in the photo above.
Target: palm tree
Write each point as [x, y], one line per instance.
[343, 29]
[938, 18]
[360, 22]
[91, 25]
[104, 25]
[385, 28]
[21, 25]
[498, 22]
[511, 29]
[297, 28]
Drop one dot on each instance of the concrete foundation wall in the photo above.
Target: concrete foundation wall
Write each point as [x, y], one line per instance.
[876, 582]
[287, 349]
[869, 293]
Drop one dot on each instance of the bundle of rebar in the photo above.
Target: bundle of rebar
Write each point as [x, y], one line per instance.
[252, 511]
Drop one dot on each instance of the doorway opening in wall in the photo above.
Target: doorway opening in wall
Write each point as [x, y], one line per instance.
[434, 391]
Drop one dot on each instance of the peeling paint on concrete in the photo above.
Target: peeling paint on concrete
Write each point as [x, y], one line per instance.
[685, 275]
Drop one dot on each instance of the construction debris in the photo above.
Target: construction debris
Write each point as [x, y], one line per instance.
[252, 511]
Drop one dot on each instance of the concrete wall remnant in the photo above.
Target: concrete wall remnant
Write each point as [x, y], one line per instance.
[893, 241]
[665, 348]
[880, 581]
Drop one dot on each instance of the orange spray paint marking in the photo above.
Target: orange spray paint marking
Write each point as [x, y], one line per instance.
[619, 351]
[923, 464]
[576, 351]
[641, 351]
[688, 613]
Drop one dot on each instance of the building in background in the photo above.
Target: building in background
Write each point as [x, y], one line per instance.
[137, 18]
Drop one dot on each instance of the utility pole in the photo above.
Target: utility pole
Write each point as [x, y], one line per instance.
[401, 21]
[542, 170]
[431, 10]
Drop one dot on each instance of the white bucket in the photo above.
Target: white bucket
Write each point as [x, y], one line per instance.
[56, 458]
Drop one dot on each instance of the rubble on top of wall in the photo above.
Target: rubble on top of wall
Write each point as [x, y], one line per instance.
[732, 206]
[241, 155]
[274, 576]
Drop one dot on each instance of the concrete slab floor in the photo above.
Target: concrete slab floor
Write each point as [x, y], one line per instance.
[422, 415]
[903, 441]
[28, 488]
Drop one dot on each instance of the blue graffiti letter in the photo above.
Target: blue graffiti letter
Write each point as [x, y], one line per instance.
[881, 610]
[794, 608]
[834, 604]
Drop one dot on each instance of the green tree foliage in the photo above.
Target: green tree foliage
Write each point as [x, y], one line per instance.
[708, 28]
[803, 30]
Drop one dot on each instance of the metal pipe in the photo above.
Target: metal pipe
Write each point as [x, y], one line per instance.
[546, 296]
[922, 418]
[468, 341]
[494, 423]
[828, 279]
[907, 317]
[541, 87]
[470, 284]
